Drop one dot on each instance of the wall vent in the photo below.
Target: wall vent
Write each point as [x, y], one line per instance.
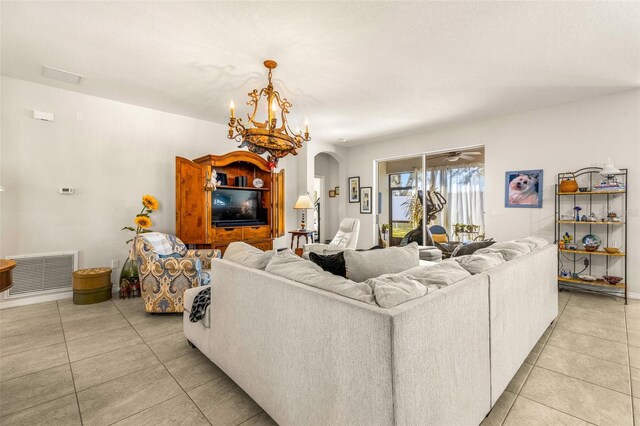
[39, 274]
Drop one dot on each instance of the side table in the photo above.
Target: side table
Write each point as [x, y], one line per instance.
[297, 234]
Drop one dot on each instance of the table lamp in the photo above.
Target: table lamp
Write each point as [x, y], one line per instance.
[303, 203]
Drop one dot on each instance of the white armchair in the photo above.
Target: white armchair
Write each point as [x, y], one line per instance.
[346, 238]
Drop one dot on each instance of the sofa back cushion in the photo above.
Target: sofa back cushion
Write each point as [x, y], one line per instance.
[393, 289]
[476, 263]
[247, 255]
[533, 242]
[286, 264]
[509, 249]
[362, 265]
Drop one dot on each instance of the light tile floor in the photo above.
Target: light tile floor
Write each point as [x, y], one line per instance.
[584, 370]
[111, 363]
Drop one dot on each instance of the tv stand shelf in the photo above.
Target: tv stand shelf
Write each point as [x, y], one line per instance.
[244, 188]
[196, 210]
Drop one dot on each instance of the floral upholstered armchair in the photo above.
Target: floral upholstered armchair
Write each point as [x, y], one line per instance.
[166, 269]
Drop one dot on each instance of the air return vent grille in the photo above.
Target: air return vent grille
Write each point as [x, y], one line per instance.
[42, 273]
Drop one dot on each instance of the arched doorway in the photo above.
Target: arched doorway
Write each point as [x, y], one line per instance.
[326, 180]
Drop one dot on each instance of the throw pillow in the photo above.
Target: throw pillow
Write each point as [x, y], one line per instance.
[476, 263]
[247, 255]
[440, 238]
[362, 265]
[470, 248]
[286, 264]
[159, 242]
[333, 263]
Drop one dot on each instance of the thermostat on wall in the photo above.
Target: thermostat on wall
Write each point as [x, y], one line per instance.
[66, 190]
[42, 115]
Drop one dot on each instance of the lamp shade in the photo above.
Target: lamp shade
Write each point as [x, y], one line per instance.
[303, 202]
[609, 169]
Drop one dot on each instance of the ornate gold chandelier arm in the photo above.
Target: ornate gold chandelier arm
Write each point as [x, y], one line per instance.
[269, 136]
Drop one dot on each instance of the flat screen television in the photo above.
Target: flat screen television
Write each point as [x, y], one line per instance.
[237, 207]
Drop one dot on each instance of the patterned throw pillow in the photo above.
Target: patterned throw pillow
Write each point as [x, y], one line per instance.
[159, 242]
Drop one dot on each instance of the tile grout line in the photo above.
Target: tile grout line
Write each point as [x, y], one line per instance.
[75, 390]
[553, 325]
[164, 366]
[633, 407]
[255, 415]
[584, 354]
[555, 409]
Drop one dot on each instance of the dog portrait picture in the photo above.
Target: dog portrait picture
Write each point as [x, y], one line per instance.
[523, 188]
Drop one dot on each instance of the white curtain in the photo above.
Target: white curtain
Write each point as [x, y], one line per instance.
[463, 188]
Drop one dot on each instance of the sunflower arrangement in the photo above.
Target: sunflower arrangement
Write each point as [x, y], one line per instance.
[142, 220]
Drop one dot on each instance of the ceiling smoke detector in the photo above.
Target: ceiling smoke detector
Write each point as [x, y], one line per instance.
[64, 76]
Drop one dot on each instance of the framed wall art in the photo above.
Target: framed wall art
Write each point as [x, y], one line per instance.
[365, 200]
[354, 189]
[523, 189]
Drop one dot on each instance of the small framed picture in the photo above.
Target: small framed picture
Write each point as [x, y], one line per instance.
[354, 189]
[365, 200]
[337, 189]
[523, 189]
[332, 193]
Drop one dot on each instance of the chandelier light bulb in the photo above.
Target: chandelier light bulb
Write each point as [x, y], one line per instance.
[232, 106]
[306, 125]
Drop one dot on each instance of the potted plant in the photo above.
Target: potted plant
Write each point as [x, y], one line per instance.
[129, 279]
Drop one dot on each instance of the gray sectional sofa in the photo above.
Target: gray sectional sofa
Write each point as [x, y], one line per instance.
[308, 356]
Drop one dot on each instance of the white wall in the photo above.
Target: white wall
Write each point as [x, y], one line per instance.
[111, 153]
[327, 167]
[561, 138]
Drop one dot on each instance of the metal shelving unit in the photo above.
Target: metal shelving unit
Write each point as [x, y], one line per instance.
[608, 231]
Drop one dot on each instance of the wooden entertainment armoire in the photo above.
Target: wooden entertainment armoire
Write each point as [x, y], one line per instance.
[195, 221]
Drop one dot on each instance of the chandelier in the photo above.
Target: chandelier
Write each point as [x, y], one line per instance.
[277, 139]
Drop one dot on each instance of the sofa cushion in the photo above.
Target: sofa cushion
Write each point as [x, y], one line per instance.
[333, 263]
[470, 248]
[247, 255]
[509, 250]
[286, 264]
[393, 289]
[533, 242]
[438, 275]
[362, 265]
[476, 263]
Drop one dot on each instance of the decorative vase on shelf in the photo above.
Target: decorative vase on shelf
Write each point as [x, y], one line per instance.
[129, 280]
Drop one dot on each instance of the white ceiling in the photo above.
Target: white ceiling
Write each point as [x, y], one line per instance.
[357, 70]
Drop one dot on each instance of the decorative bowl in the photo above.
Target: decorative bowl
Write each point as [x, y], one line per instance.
[571, 246]
[591, 242]
[587, 277]
[611, 250]
[583, 189]
[612, 279]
